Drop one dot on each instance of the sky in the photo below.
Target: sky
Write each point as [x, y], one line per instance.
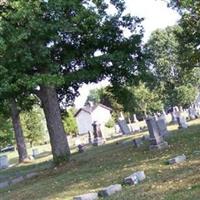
[156, 15]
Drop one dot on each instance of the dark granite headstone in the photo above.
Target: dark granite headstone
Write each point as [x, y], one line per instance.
[98, 137]
[137, 142]
[124, 127]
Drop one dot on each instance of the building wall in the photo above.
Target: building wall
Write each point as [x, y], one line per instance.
[101, 115]
[84, 122]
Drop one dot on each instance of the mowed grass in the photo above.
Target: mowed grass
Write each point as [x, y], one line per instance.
[101, 166]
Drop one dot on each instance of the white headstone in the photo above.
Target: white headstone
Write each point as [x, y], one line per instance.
[4, 162]
[35, 153]
[110, 190]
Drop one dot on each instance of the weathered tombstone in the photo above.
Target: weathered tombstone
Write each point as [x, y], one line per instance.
[17, 180]
[191, 113]
[89, 196]
[4, 162]
[110, 190]
[135, 127]
[182, 122]
[156, 140]
[135, 178]
[80, 148]
[4, 184]
[135, 118]
[177, 159]
[174, 114]
[124, 127]
[35, 153]
[146, 138]
[98, 137]
[162, 127]
[155, 116]
[32, 174]
[89, 137]
[137, 142]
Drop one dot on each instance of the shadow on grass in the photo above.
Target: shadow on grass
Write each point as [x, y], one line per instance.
[110, 163]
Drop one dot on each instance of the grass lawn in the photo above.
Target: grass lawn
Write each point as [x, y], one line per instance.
[101, 166]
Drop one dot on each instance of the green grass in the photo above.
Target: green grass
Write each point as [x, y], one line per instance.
[101, 166]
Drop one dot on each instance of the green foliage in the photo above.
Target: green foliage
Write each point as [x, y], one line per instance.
[49, 43]
[189, 38]
[105, 97]
[185, 95]
[110, 123]
[33, 125]
[6, 131]
[94, 96]
[69, 122]
[165, 63]
[138, 99]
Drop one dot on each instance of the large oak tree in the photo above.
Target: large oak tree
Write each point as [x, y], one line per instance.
[49, 48]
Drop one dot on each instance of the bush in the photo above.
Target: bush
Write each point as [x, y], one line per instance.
[110, 123]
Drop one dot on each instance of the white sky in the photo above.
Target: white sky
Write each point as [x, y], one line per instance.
[155, 14]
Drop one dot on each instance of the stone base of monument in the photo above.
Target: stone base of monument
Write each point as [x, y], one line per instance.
[98, 141]
[162, 145]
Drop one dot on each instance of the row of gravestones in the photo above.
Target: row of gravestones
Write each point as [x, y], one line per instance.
[4, 163]
[133, 179]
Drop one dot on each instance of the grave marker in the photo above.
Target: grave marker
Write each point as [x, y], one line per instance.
[4, 162]
[156, 140]
[124, 127]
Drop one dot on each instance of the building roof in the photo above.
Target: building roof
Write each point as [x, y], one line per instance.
[90, 109]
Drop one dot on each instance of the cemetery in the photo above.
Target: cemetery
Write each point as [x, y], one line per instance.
[114, 170]
[99, 99]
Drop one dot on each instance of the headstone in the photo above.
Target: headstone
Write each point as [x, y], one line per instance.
[177, 159]
[182, 122]
[4, 184]
[156, 140]
[135, 178]
[35, 153]
[17, 180]
[146, 138]
[155, 116]
[192, 113]
[32, 174]
[135, 118]
[89, 137]
[174, 114]
[162, 127]
[110, 190]
[4, 162]
[135, 127]
[137, 142]
[89, 196]
[98, 137]
[124, 127]
[80, 148]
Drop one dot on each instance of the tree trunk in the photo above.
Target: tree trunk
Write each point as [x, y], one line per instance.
[21, 146]
[58, 138]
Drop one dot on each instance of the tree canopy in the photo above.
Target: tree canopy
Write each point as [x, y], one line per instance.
[50, 48]
[165, 63]
[189, 37]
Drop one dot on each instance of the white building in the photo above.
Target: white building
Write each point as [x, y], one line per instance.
[87, 115]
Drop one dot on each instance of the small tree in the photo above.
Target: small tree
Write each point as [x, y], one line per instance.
[6, 131]
[138, 99]
[33, 126]
[69, 122]
[185, 95]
